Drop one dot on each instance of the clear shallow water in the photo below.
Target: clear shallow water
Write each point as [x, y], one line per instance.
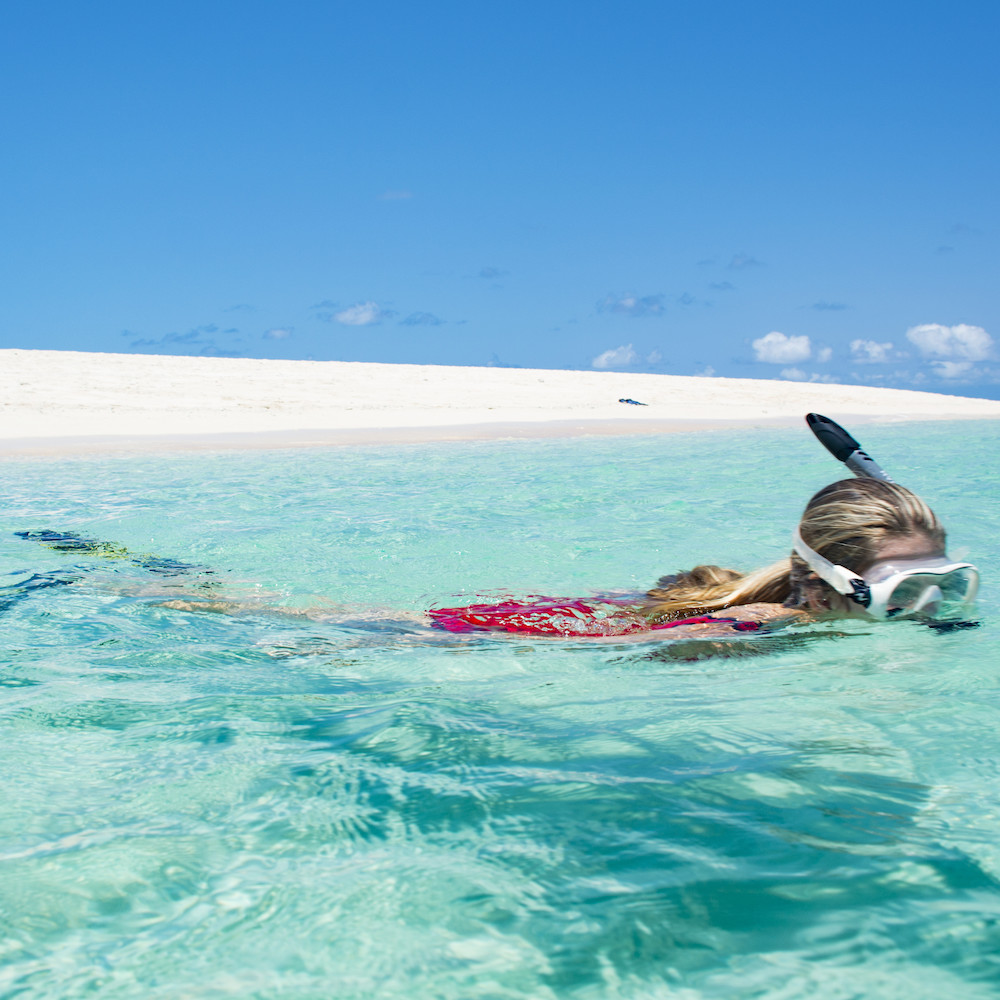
[269, 806]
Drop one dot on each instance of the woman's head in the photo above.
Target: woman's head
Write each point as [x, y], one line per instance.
[853, 523]
[856, 523]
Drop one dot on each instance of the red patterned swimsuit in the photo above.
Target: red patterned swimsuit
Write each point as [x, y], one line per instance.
[570, 618]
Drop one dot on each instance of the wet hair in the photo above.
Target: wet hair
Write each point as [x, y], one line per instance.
[846, 522]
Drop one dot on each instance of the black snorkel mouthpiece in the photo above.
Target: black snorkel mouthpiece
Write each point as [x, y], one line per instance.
[844, 448]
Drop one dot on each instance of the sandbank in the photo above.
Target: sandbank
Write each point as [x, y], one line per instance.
[61, 402]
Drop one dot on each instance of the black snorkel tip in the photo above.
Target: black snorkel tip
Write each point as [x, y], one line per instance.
[844, 448]
[832, 436]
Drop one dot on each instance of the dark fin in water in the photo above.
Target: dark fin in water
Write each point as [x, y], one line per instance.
[68, 541]
[38, 581]
[167, 567]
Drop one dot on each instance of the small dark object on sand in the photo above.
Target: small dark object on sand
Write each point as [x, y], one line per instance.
[633, 402]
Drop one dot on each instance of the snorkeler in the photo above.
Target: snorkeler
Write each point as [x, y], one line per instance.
[864, 547]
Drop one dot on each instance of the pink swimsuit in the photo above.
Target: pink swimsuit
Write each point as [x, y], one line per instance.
[570, 618]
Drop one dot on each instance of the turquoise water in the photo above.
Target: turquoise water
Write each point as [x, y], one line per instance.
[268, 805]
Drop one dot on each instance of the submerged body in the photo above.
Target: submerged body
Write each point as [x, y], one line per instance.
[581, 618]
[863, 547]
[889, 538]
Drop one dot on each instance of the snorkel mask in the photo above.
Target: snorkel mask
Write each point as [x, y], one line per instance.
[923, 587]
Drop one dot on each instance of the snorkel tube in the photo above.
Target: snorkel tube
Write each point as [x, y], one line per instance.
[845, 449]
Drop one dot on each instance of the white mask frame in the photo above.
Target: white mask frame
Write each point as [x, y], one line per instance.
[874, 590]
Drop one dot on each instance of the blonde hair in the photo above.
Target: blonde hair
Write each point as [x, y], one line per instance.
[845, 522]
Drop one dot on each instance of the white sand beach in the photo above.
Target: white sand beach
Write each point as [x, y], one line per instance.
[67, 401]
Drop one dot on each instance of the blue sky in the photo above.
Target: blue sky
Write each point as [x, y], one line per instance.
[802, 191]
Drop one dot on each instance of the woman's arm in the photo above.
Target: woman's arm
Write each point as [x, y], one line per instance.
[731, 622]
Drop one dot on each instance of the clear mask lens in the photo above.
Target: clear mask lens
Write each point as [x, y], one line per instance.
[930, 594]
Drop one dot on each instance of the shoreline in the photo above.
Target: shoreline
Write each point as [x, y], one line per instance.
[68, 402]
[69, 446]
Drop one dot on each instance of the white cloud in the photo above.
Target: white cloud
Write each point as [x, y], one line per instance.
[951, 343]
[632, 305]
[780, 349]
[280, 333]
[421, 319]
[741, 261]
[654, 357]
[953, 369]
[617, 357]
[362, 314]
[871, 351]
[824, 354]
[798, 375]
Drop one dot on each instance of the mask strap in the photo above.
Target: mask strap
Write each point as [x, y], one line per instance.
[840, 578]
